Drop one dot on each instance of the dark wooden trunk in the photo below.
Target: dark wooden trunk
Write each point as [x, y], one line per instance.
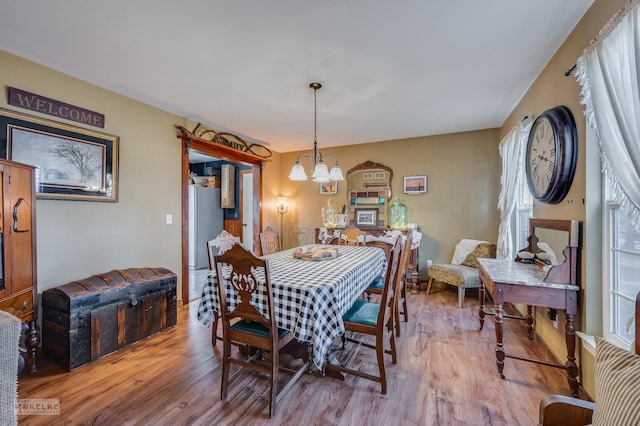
[86, 319]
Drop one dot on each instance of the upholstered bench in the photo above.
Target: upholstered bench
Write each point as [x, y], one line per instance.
[462, 272]
[10, 328]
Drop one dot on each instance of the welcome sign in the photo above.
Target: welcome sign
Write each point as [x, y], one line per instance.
[44, 105]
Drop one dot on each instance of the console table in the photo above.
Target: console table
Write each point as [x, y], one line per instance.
[535, 284]
[514, 282]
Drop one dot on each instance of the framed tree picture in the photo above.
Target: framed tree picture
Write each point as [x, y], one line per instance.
[72, 163]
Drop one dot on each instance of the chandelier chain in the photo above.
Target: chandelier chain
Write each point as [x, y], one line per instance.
[320, 173]
[315, 115]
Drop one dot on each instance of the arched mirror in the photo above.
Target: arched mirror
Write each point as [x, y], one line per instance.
[368, 192]
[370, 175]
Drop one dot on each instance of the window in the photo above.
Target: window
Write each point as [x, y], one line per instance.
[607, 72]
[524, 211]
[621, 271]
[524, 208]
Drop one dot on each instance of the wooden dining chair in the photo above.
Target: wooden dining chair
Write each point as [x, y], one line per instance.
[375, 319]
[401, 289]
[352, 236]
[218, 245]
[400, 296]
[269, 241]
[300, 236]
[249, 277]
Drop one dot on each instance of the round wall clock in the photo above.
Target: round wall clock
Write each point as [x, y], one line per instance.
[552, 151]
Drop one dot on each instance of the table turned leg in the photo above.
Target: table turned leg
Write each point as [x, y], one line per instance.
[481, 295]
[530, 321]
[572, 368]
[500, 355]
[31, 341]
[332, 368]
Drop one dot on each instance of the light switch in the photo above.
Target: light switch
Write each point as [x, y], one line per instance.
[169, 219]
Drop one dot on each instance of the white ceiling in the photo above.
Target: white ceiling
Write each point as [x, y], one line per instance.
[389, 70]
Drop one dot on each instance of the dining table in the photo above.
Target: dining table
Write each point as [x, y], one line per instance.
[309, 296]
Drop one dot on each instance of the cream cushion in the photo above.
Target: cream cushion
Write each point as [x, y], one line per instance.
[617, 383]
[462, 250]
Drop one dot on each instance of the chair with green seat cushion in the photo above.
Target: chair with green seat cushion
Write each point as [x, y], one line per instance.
[352, 236]
[218, 245]
[375, 319]
[401, 284]
[256, 328]
[269, 241]
[362, 312]
[400, 295]
[376, 285]
[241, 275]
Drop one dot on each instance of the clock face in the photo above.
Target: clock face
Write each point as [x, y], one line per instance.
[552, 152]
[542, 156]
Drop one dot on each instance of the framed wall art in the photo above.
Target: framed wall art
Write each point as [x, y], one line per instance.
[72, 163]
[415, 184]
[366, 218]
[329, 188]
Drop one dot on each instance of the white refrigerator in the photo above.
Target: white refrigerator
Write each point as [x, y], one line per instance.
[206, 220]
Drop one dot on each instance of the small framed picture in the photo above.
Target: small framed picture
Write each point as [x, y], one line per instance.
[366, 218]
[328, 188]
[415, 184]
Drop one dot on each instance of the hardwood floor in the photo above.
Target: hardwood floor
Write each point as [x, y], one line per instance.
[446, 375]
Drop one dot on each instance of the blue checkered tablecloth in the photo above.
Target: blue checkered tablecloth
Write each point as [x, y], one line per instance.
[310, 297]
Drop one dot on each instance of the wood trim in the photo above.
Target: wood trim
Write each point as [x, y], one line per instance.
[224, 153]
[185, 221]
[256, 204]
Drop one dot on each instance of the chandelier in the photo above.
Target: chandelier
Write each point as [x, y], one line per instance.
[320, 172]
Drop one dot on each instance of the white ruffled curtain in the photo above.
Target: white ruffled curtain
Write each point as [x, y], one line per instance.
[511, 150]
[609, 74]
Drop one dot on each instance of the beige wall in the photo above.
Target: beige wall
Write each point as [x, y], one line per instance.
[553, 88]
[463, 171]
[77, 239]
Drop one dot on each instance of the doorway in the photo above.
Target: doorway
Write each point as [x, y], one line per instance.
[253, 207]
[246, 209]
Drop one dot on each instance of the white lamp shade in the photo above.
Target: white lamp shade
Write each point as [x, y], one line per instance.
[336, 173]
[282, 205]
[297, 172]
[321, 173]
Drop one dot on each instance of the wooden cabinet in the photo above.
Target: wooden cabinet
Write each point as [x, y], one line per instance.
[18, 283]
[370, 198]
